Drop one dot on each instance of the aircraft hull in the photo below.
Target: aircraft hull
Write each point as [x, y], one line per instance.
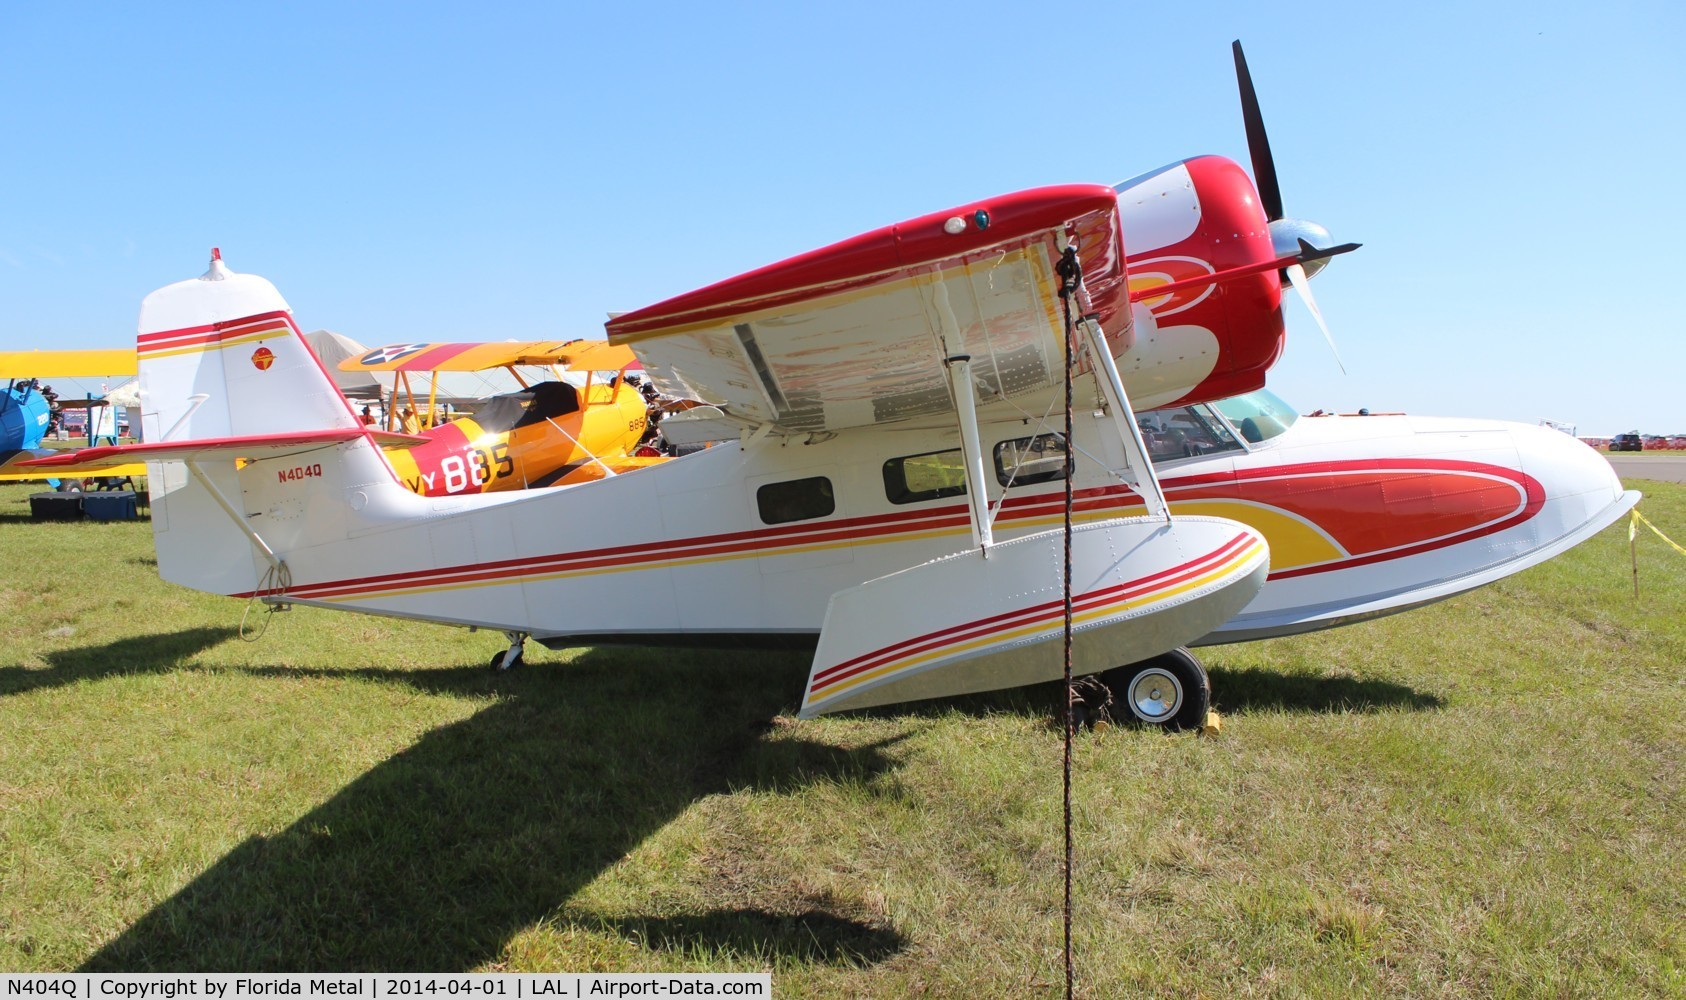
[1369, 516]
[1364, 516]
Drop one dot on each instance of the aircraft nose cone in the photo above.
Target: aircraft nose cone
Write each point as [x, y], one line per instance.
[1577, 481]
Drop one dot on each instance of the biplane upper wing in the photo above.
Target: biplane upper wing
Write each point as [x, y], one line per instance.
[62, 364]
[857, 333]
[67, 364]
[580, 355]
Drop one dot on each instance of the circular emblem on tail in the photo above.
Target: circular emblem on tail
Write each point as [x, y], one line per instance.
[262, 358]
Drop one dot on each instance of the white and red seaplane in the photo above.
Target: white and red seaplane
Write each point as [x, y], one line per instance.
[893, 487]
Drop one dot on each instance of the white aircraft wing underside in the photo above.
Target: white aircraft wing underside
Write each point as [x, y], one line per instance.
[858, 333]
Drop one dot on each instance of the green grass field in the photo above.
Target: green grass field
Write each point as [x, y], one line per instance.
[1480, 798]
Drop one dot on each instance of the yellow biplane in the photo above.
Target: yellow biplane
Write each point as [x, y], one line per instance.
[27, 406]
[550, 432]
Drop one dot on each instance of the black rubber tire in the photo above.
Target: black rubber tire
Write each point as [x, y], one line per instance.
[497, 662]
[1193, 700]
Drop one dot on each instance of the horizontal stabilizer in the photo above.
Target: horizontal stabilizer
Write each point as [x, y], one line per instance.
[254, 447]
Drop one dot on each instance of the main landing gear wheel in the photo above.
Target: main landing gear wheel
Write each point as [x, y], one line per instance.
[1171, 691]
[510, 658]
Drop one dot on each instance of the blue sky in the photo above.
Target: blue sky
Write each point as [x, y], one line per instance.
[427, 171]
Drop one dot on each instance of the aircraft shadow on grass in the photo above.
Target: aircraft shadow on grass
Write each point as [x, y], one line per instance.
[1255, 689]
[440, 855]
[138, 654]
[1232, 691]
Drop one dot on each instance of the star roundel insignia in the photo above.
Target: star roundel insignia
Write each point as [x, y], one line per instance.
[262, 358]
[391, 352]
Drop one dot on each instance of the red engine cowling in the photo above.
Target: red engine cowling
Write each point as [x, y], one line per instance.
[1190, 219]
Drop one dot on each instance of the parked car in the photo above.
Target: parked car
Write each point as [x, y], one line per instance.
[1627, 442]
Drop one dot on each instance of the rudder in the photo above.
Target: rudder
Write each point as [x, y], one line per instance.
[220, 356]
[222, 362]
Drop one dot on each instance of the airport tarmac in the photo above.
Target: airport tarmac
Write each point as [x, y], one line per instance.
[1668, 468]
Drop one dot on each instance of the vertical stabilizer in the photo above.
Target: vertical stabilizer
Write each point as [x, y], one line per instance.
[221, 360]
[220, 356]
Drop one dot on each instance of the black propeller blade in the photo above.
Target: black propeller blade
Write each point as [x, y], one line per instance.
[1258, 144]
[1309, 253]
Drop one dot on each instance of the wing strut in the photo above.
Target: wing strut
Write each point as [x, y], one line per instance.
[1138, 471]
[966, 405]
[275, 561]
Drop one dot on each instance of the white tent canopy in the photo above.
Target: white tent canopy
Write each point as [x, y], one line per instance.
[333, 348]
[127, 394]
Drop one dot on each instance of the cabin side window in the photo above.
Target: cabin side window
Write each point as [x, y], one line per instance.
[796, 500]
[1031, 460]
[931, 476]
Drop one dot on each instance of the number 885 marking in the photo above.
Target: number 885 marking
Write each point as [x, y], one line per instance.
[478, 470]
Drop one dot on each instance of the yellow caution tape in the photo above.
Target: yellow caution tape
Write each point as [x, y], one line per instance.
[1633, 528]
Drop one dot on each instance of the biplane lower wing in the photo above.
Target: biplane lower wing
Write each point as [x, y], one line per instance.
[256, 447]
[20, 466]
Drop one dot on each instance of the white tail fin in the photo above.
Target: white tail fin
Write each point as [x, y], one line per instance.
[220, 356]
[221, 360]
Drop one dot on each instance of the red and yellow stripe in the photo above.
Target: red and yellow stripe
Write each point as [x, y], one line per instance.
[1337, 507]
[213, 336]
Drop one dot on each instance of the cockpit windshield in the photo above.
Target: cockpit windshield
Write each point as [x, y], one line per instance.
[529, 406]
[1178, 432]
[1184, 432]
[1259, 416]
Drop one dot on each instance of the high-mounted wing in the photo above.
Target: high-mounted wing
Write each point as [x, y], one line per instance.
[857, 333]
[579, 355]
[67, 364]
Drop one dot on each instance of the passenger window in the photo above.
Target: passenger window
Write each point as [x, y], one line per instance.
[797, 500]
[931, 476]
[1026, 461]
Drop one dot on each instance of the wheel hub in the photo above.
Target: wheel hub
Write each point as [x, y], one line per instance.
[1155, 695]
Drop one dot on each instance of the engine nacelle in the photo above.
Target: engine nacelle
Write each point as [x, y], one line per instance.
[1190, 219]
